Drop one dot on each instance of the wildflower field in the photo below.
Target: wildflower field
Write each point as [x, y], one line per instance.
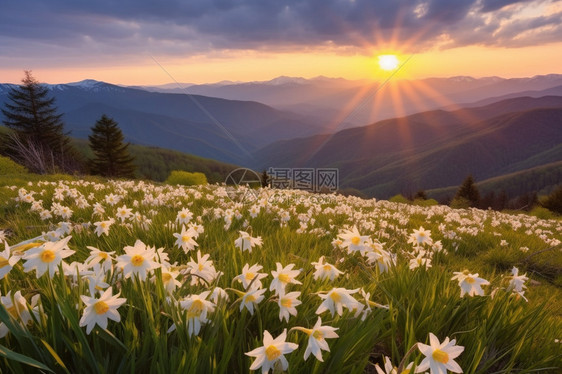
[128, 276]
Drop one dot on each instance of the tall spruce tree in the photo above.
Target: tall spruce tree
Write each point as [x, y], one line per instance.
[111, 155]
[469, 191]
[38, 136]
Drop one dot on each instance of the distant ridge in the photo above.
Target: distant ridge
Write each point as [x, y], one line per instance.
[432, 149]
[325, 99]
[176, 121]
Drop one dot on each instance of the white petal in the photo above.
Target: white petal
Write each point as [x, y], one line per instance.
[256, 352]
[425, 349]
[423, 366]
[267, 338]
[433, 341]
[257, 362]
[453, 366]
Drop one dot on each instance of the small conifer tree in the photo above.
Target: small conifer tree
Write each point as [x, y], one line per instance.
[111, 154]
[265, 179]
[468, 191]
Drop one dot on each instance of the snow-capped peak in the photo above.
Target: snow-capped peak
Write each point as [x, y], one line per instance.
[86, 83]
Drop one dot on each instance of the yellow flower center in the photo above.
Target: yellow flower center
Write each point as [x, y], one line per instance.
[250, 276]
[355, 240]
[195, 309]
[284, 278]
[185, 238]
[272, 353]
[317, 335]
[406, 371]
[103, 255]
[13, 311]
[166, 277]
[183, 215]
[101, 307]
[103, 225]
[48, 256]
[440, 356]
[137, 260]
[469, 280]
[286, 302]
[327, 267]
[3, 262]
[336, 297]
[200, 267]
[250, 299]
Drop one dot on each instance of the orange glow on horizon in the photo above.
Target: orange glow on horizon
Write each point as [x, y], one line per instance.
[476, 61]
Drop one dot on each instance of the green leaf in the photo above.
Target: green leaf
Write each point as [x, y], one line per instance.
[108, 336]
[11, 355]
[54, 354]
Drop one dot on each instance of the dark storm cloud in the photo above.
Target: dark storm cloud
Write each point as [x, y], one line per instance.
[108, 27]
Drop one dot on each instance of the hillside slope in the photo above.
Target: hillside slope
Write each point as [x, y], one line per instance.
[432, 149]
[226, 130]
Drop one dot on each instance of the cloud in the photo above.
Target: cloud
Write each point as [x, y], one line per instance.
[81, 29]
[492, 5]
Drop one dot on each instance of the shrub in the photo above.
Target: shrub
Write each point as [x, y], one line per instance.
[553, 202]
[541, 213]
[399, 199]
[352, 192]
[460, 203]
[7, 166]
[426, 202]
[186, 178]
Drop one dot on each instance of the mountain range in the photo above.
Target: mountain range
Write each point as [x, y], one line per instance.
[226, 130]
[433, 149]
[339, 103]
[434, 133]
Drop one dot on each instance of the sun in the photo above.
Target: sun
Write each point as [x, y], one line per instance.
[388, 62]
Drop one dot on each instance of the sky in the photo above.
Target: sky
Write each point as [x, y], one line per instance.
[148, 42]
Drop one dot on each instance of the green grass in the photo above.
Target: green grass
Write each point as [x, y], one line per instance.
[501, 334]
[9, 167]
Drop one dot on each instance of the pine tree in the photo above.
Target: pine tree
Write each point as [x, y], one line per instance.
[468, 191]
[265, 179]
[111, 155]
[420, 195]
[38, 132]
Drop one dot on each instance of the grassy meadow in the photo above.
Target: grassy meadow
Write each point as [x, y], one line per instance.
[129, 276]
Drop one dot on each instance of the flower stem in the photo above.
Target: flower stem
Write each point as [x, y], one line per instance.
[403, 362]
